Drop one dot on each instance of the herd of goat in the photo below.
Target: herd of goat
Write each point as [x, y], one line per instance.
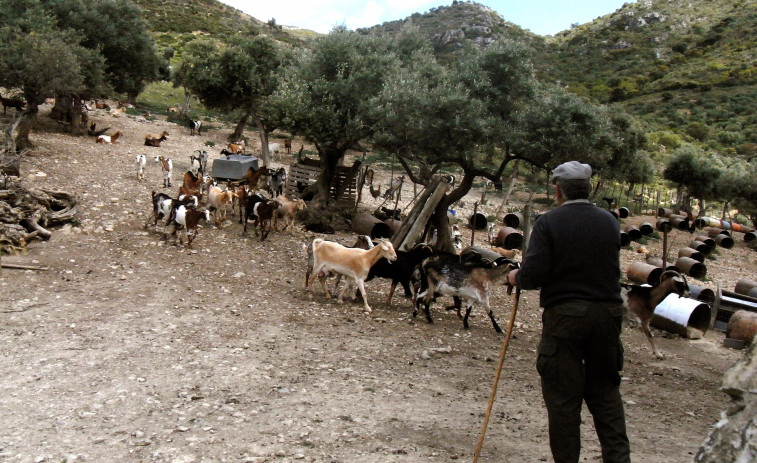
[424, 272]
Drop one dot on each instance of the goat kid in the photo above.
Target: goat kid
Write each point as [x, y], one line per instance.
[199, 162]
[287, 210]
[471, 284]
[166, 167]
[329, 256]
[195, 125]
[276, 180]
[155, 140]
[218, 202]
[108, 139]
[140, 161]
[186, 219]
[641, 300]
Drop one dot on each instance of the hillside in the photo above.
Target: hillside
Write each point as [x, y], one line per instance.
[686, 69]
[673, 64]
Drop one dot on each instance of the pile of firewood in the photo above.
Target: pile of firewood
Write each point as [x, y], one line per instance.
[26, 213]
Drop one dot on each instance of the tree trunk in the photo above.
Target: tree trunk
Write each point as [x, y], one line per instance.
[28, 119]
[263, 140]
[187, 98]
[239, 129]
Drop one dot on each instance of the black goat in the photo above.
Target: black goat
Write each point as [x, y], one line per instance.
[401, 270]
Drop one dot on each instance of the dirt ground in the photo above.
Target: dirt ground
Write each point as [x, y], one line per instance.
[132, 349]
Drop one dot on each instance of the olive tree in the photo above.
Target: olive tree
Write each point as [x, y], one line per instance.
[325, 94]
[235, 77]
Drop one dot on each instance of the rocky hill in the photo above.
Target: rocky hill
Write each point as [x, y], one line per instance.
[687, 69]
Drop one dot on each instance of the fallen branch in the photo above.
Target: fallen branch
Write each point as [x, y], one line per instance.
[22, 267]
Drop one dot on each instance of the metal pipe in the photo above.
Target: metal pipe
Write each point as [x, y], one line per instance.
[682, 315]
[633, 232]
[646, 228]
[706, 240]
[713, 232]
[690, 252]
[641, 272]
[513, 219]
[664, 225]
[691, 267]
[724, 241]
[701, 247]
[744, 286]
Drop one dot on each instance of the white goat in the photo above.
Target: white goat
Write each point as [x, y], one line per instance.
[274, 148]
[140, 161]
[332, 257]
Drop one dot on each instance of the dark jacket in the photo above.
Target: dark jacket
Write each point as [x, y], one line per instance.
[573, 255]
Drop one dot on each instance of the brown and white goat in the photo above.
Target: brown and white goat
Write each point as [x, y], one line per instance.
[108, 139]
[166, 167]
[155, 140]
[264, 213]
[187, 219]
[355, 264]
[288, 209]
[218, 202]
[236, 148]
[641, 300]
[471, 284]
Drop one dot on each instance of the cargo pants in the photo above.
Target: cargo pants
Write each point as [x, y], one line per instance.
[579, 359]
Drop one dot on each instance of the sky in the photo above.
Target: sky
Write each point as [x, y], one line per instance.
[543, 17]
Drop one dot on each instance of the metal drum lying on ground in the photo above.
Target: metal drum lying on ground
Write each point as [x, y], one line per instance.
[682, 315]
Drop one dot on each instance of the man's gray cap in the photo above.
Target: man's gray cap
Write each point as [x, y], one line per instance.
[571, 170]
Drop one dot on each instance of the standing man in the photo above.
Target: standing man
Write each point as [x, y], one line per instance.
[573, 257]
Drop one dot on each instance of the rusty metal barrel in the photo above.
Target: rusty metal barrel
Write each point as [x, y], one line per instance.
[706, 240]
[509, 238]
[615, 213]
[724, 241]
[366, 224]
[749, 237]
[702, 247]
[663, 225]
[742, 325]
[692, 267]
[646, 228]
[513, 219]
[625, 240]
[664, 212]
[623, 212]
[478, 221]
[633, 232]
[680, 222]
[641, 272]
[745, 286]
[657, 262]
[690, 252]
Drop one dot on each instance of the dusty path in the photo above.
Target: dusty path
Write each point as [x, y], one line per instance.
[130, 349]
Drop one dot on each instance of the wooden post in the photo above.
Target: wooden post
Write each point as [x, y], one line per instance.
[473, 227]
[413, 215]
[424, 214]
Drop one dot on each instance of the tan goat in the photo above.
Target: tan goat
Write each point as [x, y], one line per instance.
[331, 257]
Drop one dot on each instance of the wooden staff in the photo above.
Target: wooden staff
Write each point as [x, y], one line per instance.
[502, 353]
